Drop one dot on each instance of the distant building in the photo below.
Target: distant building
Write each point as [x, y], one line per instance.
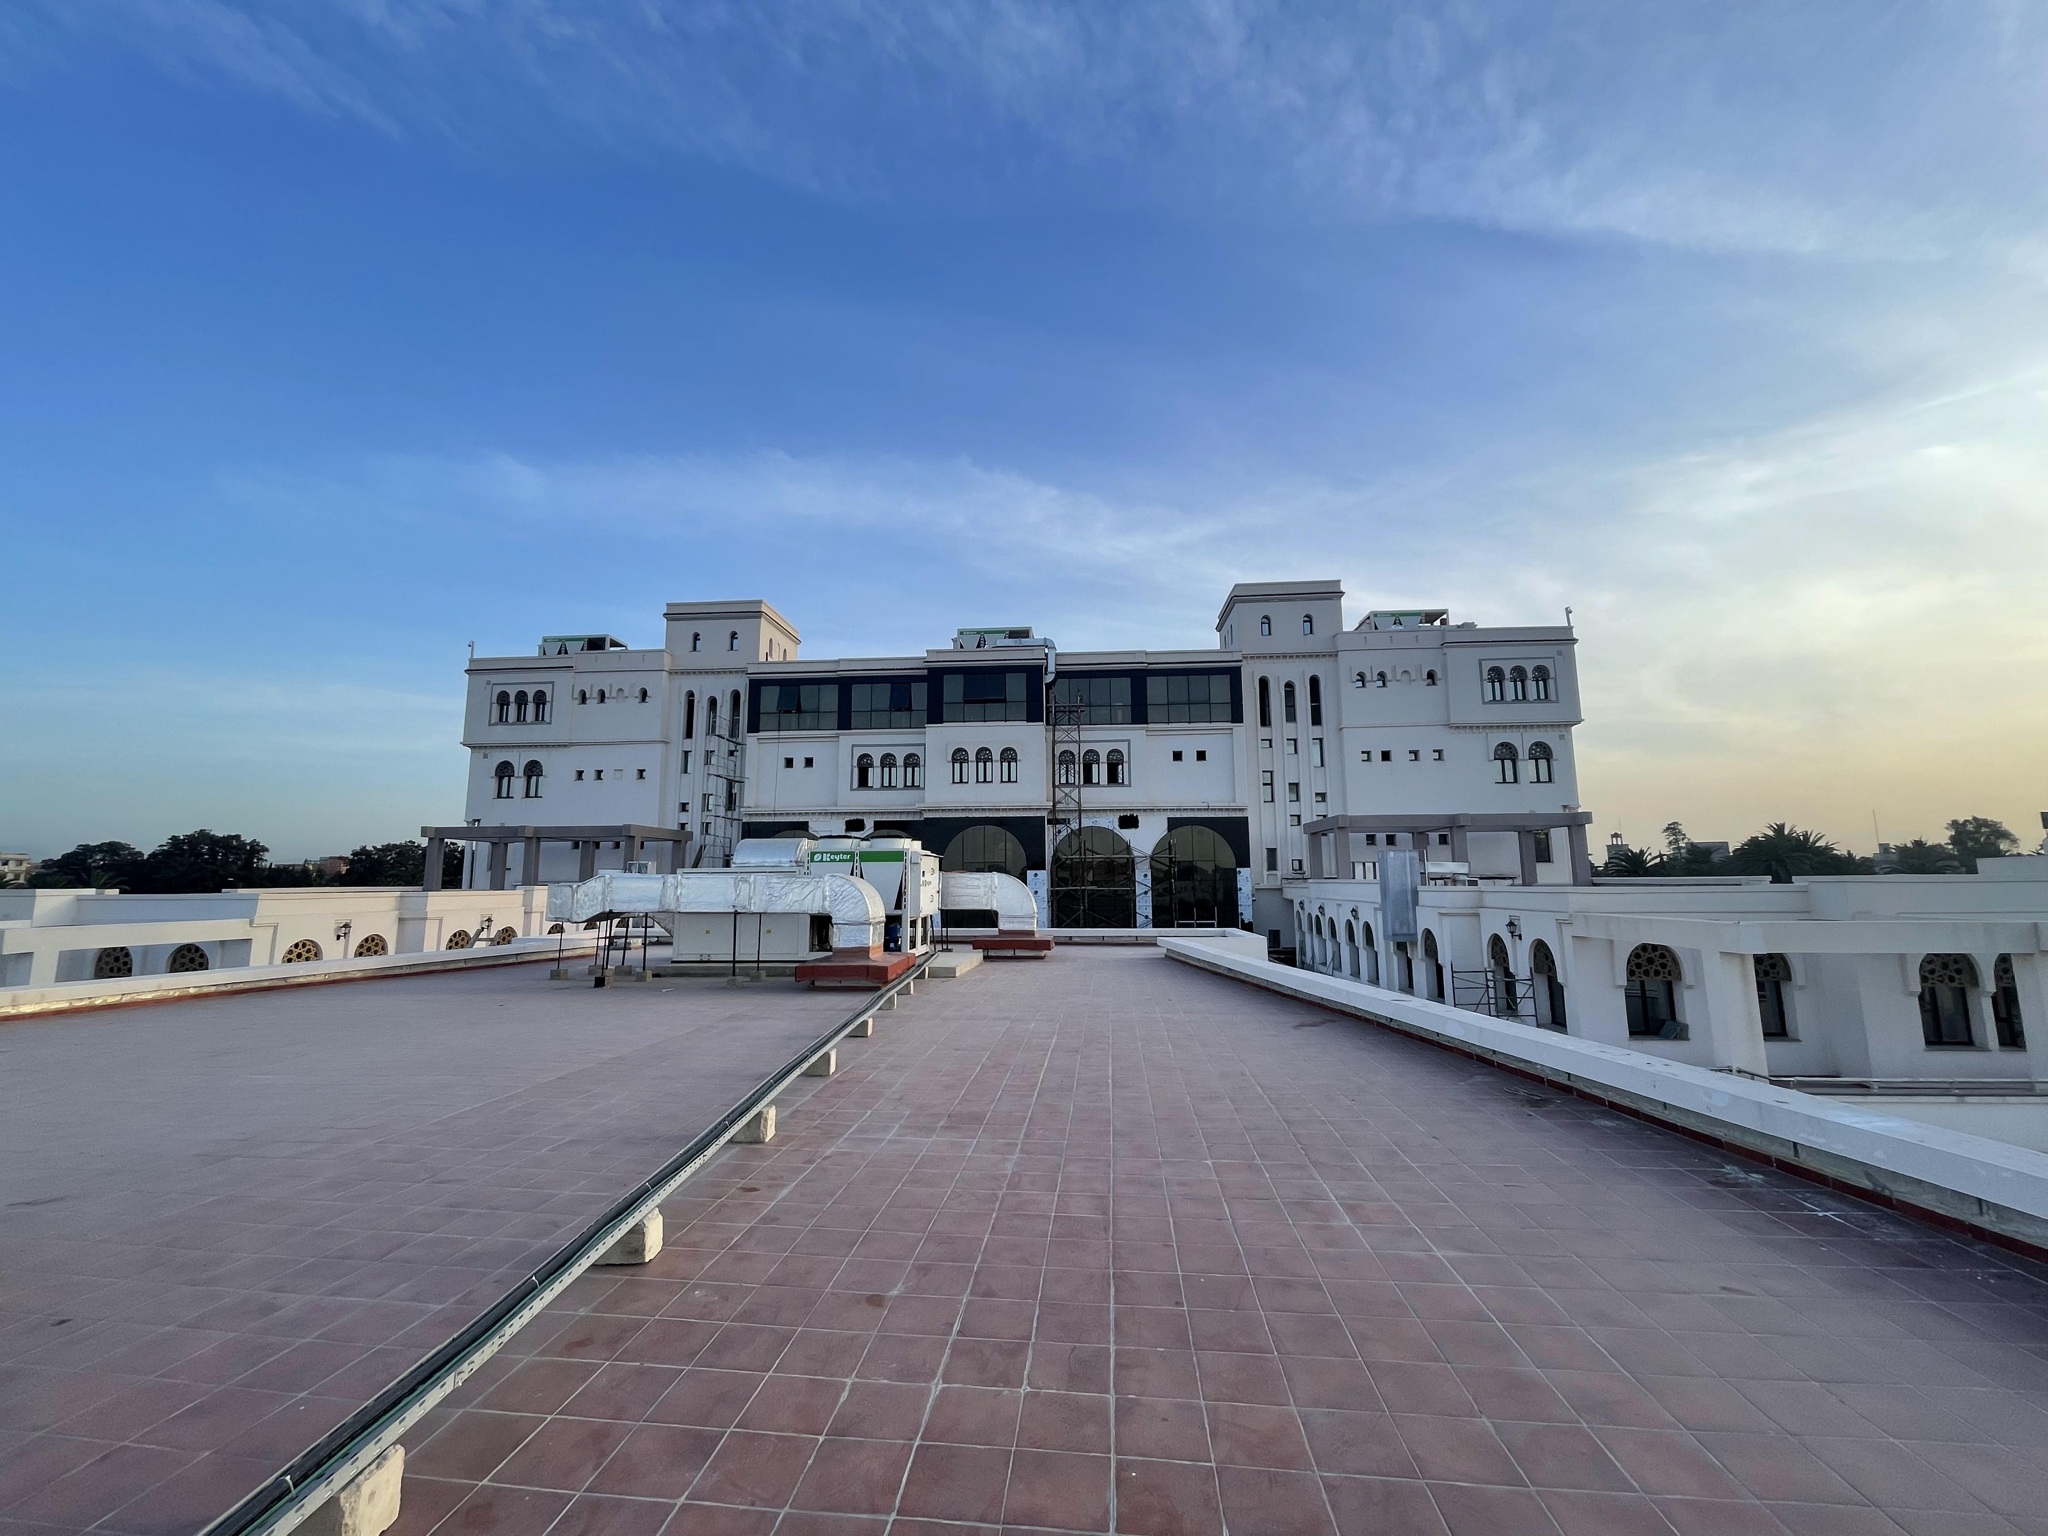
[15, 868]
[1128, 788]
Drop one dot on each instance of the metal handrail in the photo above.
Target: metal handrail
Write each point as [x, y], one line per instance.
[349, 1448]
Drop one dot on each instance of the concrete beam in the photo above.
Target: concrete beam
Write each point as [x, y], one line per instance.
[638, 1244]
[368, 1506]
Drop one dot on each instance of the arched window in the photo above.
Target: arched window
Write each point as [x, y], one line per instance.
[1507, 994]
[113, 963]
[1308, 623]
[1429, 678]
[1946, 982]
[1315, 701]
[1652, 993]
[1265, 624]
[643, 695]
[600, 695]
[689, 714]
[540, 708]
[504, 708]
[1496, 685]
[189, 957]
[1350, 949]
[1432, 968]
[733, 723]
[984, 766]
[1773, 975]
[711, 714]
[913, 772]
[1368, 952]
[984, 849]
[1506, 768]
[888, 770]
[1539, 763]
[1194, 880]
[1287, 710]
[303, 951]
[532, 776]
[372, 944]
[1094, 880]
[460, 938]
[504, 774]
[1379, 679]
[1091, 767]
[732, 641]
[960, 761]
[1549, 990]
[697, 640]
[864, 771]
[582, 695]
[1119, 770]
[2005, 1005]
[1518, 685]
[1539, 683]
[1009, 765]
[1358, 679]
[1265, 704]
[1065, 769]
[519, 706]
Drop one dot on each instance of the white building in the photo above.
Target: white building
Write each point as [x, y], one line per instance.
[1929, 990]
[1142, 788]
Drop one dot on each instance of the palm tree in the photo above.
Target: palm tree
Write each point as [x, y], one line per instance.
[1631, 864]
[1783, 851]
[1920, 857]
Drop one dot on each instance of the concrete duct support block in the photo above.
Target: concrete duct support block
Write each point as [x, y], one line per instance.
[757, 1127]
[368, 1506]
[639, 1244]
[824, 1066]
[864, 1030]
[887, 1005]
[957, 964]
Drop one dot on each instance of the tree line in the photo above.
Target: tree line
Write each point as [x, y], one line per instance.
[1783, 851]
[202, 861]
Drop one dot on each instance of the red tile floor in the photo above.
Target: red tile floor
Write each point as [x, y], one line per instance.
[226, 1223]
[1105, 1243]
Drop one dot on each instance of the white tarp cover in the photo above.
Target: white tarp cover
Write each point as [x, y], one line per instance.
[856, 910]
[1009, 898]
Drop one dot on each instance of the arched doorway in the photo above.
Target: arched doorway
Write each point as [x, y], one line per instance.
[1094, 881]
[984, 850]
[1194, 880]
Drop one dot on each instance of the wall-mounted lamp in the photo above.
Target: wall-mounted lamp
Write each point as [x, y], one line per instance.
[342, 930]
[1515, 928]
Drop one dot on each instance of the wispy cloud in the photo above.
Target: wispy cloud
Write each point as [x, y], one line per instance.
[1826, 127]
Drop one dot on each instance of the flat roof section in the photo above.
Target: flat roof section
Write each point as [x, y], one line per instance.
[226, 1223]
[1104, 1243]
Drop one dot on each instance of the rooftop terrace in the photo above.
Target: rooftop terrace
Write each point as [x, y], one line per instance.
[1102, 1243]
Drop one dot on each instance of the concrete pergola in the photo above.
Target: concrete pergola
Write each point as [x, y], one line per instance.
[1525, 826]
[630, 836]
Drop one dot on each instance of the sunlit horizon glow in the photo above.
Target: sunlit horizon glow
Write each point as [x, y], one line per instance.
[346, 334]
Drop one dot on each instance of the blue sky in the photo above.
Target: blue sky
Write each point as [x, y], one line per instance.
[335, 336]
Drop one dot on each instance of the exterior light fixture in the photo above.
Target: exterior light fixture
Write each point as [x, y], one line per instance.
[1515, 928]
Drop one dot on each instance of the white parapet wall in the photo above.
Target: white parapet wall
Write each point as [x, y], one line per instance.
[1990, 1186]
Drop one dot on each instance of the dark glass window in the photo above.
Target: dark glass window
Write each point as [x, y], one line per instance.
[1200, 699]
[1945, 985]
[2005, 1005]
[1103, 700]
[799, 707]
[888, 706]
[1773, 974]
[976, 697]
[1315, 699]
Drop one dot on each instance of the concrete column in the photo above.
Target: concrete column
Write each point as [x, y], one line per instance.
[1315, 858]
[631, 849]
[500, 857]
[436, 851]
[1733, 1029]
[368, 1506]
[529, 874]
[586, 861]
[1582, 862]
[1525, 845]
[637, 1244]
[1461, 846]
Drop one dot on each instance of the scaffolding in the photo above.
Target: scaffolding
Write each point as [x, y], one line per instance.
[725, 766]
